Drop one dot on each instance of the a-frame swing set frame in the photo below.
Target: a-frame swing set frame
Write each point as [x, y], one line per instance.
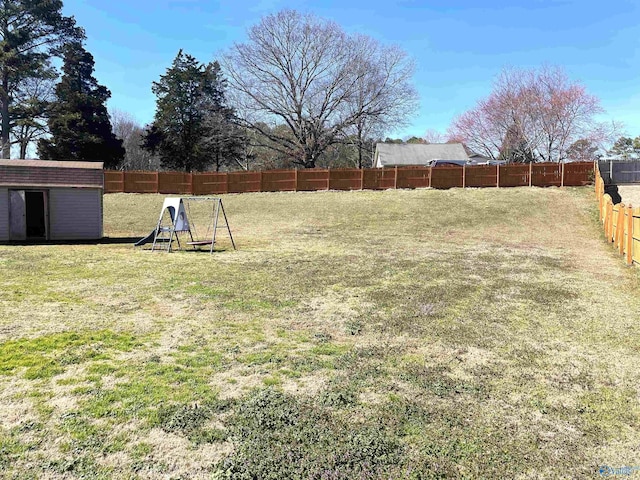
[180, 223]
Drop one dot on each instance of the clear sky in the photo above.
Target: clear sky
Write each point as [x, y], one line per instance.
[459, 46]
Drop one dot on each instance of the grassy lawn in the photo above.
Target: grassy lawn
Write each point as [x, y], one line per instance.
[400, 334]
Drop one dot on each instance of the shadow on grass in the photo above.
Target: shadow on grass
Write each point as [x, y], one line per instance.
[101, 241]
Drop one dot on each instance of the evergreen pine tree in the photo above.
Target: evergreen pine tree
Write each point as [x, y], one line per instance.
[31, 33]
[193, 128]
[79, 124]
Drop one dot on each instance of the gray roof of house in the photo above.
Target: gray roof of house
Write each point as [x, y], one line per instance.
[392, 154]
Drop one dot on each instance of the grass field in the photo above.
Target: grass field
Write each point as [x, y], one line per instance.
[400, 334]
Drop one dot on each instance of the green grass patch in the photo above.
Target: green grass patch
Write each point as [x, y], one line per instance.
[48, 355]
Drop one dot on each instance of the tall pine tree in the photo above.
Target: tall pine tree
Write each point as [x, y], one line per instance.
[193, 128]
[79, 125]
[31, 32]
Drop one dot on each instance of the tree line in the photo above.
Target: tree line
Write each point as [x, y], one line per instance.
[298, 92]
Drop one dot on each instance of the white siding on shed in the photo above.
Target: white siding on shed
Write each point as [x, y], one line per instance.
[4, 214]
[75, 213]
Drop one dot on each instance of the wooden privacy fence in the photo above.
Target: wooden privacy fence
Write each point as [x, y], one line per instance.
[211, 183]
[621, 223]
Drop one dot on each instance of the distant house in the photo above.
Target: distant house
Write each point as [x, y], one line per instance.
[412, 154]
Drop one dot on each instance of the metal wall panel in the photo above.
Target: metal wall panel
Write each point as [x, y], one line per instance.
[75, 214]
[4, 214]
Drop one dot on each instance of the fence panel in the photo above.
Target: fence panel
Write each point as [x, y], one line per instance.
[615, 223]
[514, 175]
[244, 182]
[446, 177]
[578, 174]
[113, 181]
[546, 174]
[141, 182]
[312, 180]
[175, 182]
[379, 178]
[278, 180]
[620, 171]
[345, 179]
[481, 176]
[415, 177]
[211, 183]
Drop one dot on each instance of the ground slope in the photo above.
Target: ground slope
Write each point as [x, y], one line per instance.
[397, 334]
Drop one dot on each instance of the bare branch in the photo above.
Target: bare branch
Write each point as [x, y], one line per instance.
[306, 73]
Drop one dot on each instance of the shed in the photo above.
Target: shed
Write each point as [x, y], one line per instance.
[49, 200]
[416, 154]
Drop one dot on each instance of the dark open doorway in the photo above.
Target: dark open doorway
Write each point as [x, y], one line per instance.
[36, 214]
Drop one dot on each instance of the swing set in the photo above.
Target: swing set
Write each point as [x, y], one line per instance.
[177, 220]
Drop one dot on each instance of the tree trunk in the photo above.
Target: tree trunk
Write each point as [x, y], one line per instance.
[6, 145]
[359, 146]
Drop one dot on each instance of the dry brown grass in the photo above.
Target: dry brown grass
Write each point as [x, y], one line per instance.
[489, 333]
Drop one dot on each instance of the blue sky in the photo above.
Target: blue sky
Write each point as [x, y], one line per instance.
[459, 46]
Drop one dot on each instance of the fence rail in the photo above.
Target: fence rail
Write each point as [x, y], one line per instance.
[621, 223]
[211, 183]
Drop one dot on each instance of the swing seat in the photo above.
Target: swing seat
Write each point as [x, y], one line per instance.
[202, 242]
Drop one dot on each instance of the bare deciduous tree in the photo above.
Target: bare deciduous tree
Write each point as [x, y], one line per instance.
[127, 128]
[434, 136]
[33, 99]
[541, 109]
[383, 97]
[308, 74]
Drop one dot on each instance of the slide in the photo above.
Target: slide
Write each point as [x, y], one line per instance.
[148, 239]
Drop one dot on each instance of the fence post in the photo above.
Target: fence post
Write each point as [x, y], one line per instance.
[157, 182]
[610, 209]
[629, 235]
[395, 180]
[295, 188]
[430, 170]
[464, 175]
[190, 183]
[362, 179]
[601, 199]
[497, 175]
[530, 172]
[261, 184]
[611, 171]
[226, 182]
[328, 178]
[620, 229]
[606, 219]
[562, 174]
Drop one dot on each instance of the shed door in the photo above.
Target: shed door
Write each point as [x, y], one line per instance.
[17, 215]
[36, 209]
